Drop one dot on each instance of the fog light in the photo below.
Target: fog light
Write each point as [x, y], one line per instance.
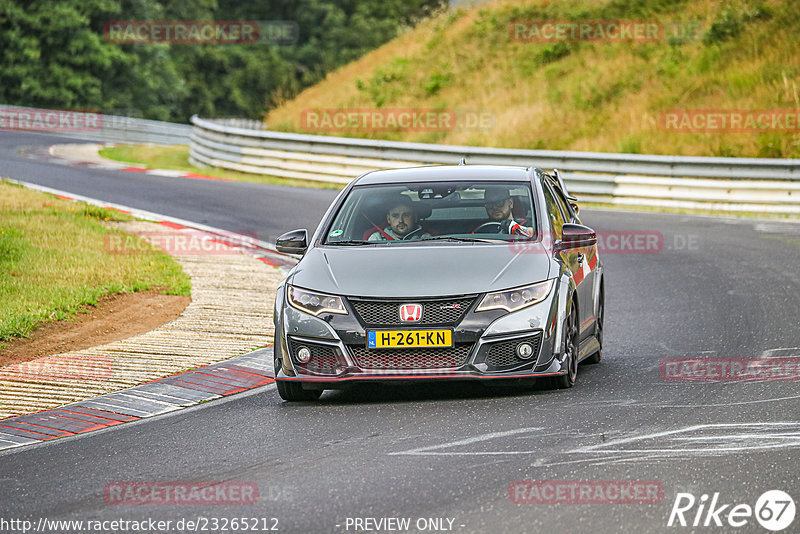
[524, 350]
[303, 355]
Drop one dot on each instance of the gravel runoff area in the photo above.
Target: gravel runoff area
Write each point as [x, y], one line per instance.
[83, 152]
[230, 314]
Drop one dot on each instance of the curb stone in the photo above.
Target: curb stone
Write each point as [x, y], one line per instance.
[235, 375]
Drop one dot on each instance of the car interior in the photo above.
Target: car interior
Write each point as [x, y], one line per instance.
[452, 214]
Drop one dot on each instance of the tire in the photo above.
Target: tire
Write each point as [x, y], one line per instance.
[294, 392]
[567, 380]
[598, 333]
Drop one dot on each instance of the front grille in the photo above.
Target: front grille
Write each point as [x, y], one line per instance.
[409, 359]
[439, 312]
[504, 353]
[324, 358]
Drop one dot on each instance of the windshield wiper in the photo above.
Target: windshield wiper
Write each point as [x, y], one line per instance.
[463, 239]
[352, 243]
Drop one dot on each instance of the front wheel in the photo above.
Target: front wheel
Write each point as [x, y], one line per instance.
[567, 380]
[294, 392]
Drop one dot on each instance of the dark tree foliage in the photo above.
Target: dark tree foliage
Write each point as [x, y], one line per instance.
[53, 54]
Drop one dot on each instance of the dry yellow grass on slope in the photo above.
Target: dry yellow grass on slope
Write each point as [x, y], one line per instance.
[596, 96]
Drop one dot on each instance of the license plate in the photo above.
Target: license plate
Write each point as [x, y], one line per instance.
[404, 339]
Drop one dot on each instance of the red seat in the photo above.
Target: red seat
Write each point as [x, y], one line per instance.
[422, 210]
[369, 231]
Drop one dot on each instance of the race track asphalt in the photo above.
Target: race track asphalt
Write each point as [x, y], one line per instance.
[719, 288]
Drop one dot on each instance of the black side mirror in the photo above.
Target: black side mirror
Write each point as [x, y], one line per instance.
[575, 236]
[294, 242]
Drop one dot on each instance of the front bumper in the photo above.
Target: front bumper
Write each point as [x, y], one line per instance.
[484, 349]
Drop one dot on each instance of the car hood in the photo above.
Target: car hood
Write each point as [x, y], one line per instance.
[421, 270]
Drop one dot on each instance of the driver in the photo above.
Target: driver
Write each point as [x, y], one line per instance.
[403, 222]
[499, 205]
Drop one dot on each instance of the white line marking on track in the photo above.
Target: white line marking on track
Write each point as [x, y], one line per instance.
[741, 403]
[687, 442]
[727, 442]
[425, 451]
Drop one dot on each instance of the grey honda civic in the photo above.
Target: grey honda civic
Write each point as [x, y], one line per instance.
[452, 272]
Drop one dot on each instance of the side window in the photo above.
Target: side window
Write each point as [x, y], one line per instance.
[553, 211]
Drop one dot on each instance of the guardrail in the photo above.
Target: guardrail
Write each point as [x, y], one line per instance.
[730, 184]
[94, 126]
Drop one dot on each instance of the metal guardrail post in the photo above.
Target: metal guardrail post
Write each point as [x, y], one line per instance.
[94, 126]
[730, 184]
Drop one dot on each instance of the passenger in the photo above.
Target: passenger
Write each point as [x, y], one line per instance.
[499, 206]
[403, 223]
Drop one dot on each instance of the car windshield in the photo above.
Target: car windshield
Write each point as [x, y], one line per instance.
[447, 212]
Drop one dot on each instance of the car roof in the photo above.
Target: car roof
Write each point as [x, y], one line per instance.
[446, 173]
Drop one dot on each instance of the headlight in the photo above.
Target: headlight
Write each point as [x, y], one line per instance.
[315, 303]
[517, 298]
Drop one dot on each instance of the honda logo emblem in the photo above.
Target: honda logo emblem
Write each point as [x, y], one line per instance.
[410, 313]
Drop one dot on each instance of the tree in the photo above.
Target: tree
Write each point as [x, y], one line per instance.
[54, 54]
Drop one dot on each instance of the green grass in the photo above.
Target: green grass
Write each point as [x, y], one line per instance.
[177, 158]
[54, 260]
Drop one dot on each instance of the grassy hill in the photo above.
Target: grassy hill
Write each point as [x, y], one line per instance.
[595, 96]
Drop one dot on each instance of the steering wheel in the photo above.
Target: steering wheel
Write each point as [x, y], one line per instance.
[491, 227]
[494, 227]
